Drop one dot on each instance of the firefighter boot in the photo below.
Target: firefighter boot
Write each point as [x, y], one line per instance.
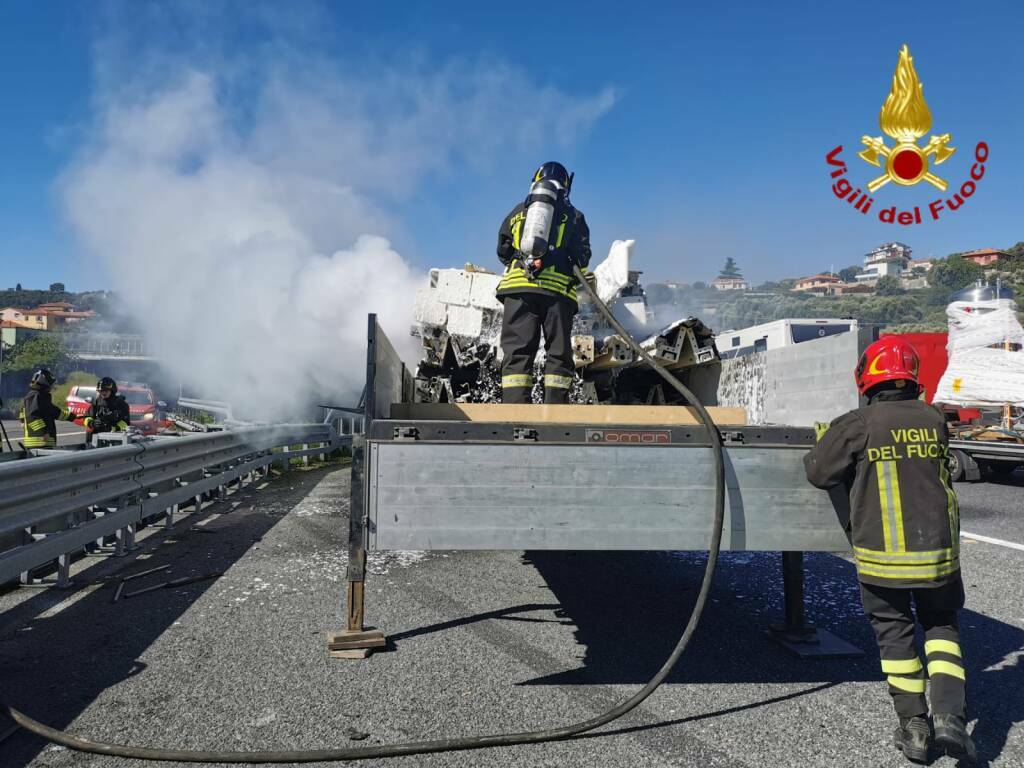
[913, 738]
[951, 734]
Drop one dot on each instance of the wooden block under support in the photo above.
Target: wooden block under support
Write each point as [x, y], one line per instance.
[354, 644]
[357, 653]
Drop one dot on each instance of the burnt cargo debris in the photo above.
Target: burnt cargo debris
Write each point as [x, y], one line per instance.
[458, 322]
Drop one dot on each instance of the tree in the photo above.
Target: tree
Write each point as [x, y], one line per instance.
[700, 285]
[730, 269]
[848, 274]
[954, 274]
[43, 351]
[57, 288]
[888, 286]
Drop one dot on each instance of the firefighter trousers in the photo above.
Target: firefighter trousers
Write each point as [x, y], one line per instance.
[525, 316]
[889, 610]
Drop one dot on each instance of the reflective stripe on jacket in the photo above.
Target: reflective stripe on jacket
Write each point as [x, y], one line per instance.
[904, 517]
[39, 417]
[111, 414]
[571, 245]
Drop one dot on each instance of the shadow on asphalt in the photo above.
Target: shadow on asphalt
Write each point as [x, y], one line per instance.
[629, 609]
[1011, 480]
[55, 667]
[511, 613]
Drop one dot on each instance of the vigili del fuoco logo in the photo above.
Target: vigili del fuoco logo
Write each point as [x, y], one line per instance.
[905, 118]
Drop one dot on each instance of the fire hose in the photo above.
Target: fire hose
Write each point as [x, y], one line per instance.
[466, 742]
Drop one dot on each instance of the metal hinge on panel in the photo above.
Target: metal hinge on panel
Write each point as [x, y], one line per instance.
[406, 433]
[523, 434]
[732, 438]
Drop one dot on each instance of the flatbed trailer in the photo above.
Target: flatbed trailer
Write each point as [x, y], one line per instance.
[967, 457]
[586, 477]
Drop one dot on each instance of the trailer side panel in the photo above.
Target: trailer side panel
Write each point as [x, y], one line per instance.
[453, 496]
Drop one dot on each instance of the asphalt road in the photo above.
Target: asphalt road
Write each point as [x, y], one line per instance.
[481, 642]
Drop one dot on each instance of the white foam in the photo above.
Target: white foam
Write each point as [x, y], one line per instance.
[454, 287]
[482, 294]
[465, 321]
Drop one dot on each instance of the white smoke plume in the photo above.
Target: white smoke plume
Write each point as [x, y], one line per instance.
[252, 248]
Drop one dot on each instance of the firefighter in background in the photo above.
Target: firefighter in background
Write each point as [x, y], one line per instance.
[891, 455]
[539, 243]
[39, 414]
[109, 412]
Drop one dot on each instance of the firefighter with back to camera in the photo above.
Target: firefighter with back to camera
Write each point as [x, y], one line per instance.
[539, 243]
[39, 415]
[891, 456]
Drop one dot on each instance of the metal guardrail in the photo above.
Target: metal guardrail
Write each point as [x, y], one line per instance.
[198, 415]
[106, 345]
[54, 505]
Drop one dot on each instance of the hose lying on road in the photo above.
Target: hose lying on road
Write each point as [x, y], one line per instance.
[465, 742]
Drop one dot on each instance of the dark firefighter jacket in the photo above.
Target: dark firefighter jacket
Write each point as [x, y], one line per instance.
[571, 239]
[40, 416]
[110, 415]
[904, 518]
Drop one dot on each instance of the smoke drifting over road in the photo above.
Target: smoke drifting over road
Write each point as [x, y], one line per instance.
[251, 243]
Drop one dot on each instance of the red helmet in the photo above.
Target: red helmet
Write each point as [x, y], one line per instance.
[891, 358]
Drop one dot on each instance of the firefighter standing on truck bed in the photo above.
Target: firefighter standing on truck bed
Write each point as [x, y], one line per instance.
[109, 412]
[905, 528]
[39, 414]
[538, 288]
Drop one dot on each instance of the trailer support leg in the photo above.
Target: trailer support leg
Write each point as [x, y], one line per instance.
[795, 634]
[355, 641]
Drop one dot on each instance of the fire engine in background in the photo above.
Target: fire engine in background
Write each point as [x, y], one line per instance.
[146, 411]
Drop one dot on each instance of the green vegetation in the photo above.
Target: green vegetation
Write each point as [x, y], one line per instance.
[42, 351]
[891, 305]
[885, 310]
[888, 286]
[30, 298]
[849, 274]
[954, 274]
[104, 303]
[75, 378]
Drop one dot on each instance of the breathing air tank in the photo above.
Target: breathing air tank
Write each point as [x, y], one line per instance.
[540, 213]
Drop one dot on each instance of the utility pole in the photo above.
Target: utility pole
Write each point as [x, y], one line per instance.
[1, 363]
[1007, 408]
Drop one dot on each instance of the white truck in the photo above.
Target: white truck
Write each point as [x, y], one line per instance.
[450, 476]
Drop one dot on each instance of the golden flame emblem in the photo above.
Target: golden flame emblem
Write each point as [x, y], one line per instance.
[906, 118]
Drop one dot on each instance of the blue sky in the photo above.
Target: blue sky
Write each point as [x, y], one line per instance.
[699, 130]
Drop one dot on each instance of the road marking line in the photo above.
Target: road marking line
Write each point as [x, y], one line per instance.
[67, 602]
[1012, 659]
[990, 540]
